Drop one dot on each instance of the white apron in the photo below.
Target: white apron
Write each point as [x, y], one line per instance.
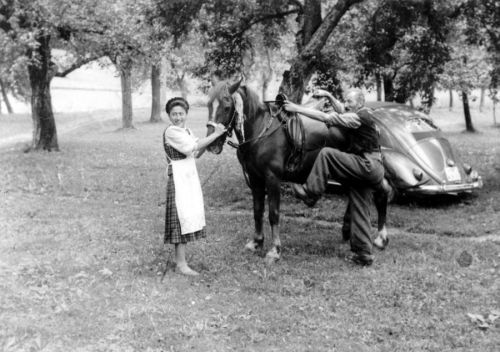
[188, 195]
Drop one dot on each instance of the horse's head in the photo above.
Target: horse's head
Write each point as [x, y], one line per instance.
[225, 113]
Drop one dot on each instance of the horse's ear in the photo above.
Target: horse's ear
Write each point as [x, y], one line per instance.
[233, 88]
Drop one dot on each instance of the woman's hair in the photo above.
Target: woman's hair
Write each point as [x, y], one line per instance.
[177, 101]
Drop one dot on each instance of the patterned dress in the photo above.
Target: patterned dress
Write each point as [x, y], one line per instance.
[172, 225]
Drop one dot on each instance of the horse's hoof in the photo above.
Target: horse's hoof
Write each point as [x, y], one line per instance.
[381, 242]
[254, 245]
[273, 255]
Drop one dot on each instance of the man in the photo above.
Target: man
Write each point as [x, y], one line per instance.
[360, 168]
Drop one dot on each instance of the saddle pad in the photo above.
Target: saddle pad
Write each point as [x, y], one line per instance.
[306, 134]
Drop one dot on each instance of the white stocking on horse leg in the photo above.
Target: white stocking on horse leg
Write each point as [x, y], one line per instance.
[382, 240]
[273, 255]
[254, 245]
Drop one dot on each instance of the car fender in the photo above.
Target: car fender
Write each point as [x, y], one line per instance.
[400, 170]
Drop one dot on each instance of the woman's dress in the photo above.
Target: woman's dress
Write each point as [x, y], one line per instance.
[178, 142]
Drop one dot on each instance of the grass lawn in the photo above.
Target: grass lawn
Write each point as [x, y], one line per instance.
[83, 267]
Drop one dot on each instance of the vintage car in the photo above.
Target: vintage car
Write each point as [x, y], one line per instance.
[418, 159]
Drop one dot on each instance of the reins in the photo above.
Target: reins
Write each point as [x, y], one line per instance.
[262, 134]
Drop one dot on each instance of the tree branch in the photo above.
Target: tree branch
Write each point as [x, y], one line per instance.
[330, 21]
[263, 18]
[77, 65]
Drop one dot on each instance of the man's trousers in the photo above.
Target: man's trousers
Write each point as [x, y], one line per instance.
[361, 174]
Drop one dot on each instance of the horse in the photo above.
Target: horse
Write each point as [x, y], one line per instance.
[263, 152]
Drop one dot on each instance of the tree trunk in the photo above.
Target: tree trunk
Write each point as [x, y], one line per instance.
[303, 66]
[481, 99]
[309, 22]
[430, 102]
[451, 98]
[181, 83]
[126, 83]
[155, 93]
[388, 88]
[494, 112]
[6, 98]
[379, 86]
[468, 120]
[40, 74]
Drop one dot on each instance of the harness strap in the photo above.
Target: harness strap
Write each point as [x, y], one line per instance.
[264, 130]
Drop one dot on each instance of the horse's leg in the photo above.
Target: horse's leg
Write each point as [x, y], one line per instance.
[258, 195]
[381, 199]
[273, 198]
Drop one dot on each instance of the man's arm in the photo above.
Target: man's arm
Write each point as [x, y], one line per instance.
[349, 120]
[337, 105]
[308, 112]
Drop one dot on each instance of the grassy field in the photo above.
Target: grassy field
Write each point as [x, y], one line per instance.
[83, 267]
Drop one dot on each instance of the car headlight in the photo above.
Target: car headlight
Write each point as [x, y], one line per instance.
[474, 175]
[467, 168]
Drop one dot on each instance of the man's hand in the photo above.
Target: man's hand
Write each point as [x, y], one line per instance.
[330, 120]
[321, 93]
[290, 107]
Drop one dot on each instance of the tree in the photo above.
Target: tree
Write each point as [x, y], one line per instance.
[156, 93]
[482, 19]
[406, 45]
[468, 68]
[5, 97]
[126, 46]
[169, 25]
[271, 47]
[339, 66]
[183, 60]
[230, 39]
[13, 78]
[313, 36]
[33, 28]
[466, 71]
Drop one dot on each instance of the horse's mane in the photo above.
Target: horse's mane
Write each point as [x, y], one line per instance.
[251, 102]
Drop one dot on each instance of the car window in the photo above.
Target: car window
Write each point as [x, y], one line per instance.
[418, 124]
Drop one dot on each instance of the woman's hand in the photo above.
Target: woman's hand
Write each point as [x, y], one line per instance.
[219, 129]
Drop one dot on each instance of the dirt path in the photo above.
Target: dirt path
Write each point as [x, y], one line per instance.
[62, 128]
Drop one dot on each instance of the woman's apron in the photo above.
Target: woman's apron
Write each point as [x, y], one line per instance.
[188, 195]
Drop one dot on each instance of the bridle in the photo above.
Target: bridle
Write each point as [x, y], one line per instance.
[230, 125]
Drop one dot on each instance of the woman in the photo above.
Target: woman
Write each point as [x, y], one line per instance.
[185, 215]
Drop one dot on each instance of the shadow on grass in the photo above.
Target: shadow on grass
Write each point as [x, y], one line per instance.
[435, 201]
